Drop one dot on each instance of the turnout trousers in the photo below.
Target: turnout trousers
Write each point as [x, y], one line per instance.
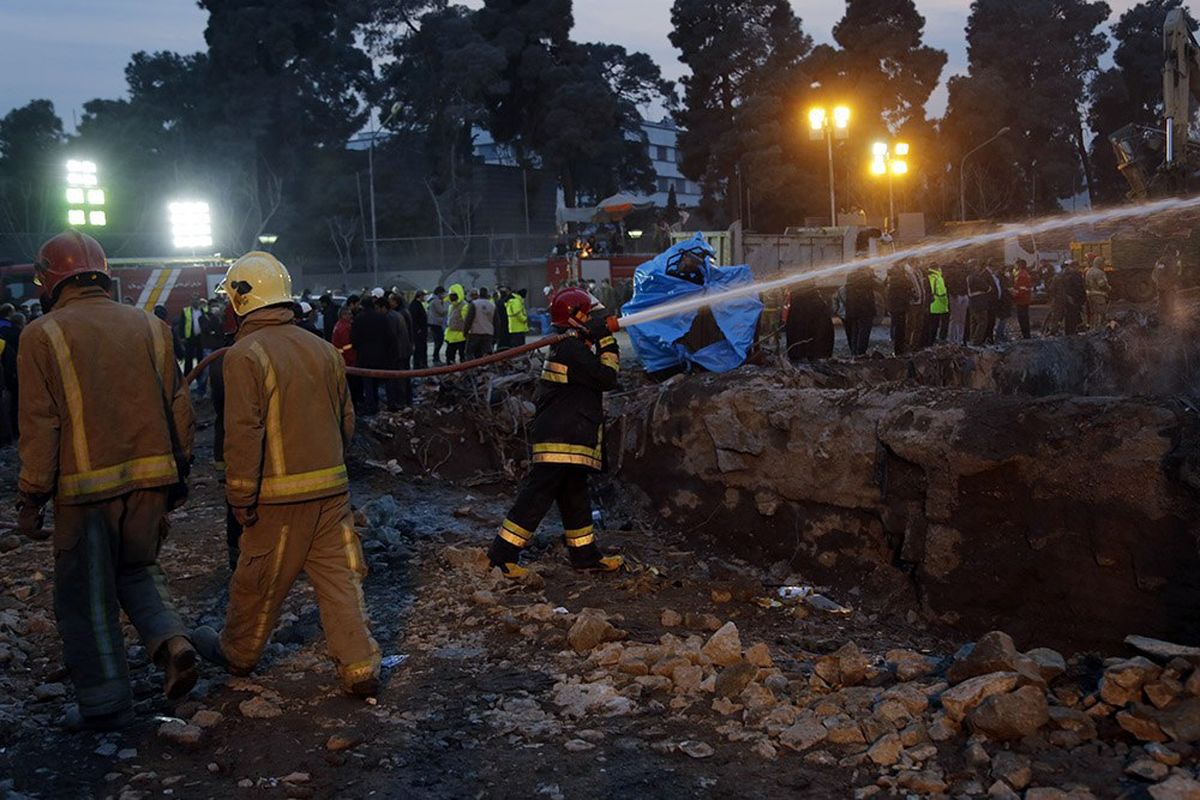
[106, 560]
[318, 537]
[548, 484]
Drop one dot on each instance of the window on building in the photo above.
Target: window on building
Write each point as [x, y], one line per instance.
[662, 153]
[664, 184]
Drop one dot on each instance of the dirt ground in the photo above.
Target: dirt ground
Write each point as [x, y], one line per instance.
[509, 690]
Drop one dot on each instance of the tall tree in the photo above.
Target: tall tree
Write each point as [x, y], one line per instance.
[569, 107]
[1129, 92]
[437, 80]
[291, 78]
[31, 139]
[883, 63]
[743, 58]
[1035, 90]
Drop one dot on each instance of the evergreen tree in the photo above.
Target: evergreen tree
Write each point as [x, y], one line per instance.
[1030, 62]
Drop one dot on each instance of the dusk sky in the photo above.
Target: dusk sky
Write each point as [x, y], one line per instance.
[71, 51]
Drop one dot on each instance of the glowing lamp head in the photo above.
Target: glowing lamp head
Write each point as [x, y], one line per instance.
[899, 167]
[901, 148]
[841, 117]
[878, 167]
[816, 119]
[879, 150]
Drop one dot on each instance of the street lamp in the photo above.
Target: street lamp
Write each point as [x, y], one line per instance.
[962, 185]
[85, 198]
[191, 225]
[829, 124]
[371, 169]
[890, 161]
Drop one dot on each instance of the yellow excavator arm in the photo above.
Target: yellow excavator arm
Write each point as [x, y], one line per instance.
[1159, 161]
[1181, 82]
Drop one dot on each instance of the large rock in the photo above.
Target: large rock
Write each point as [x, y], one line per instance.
[734, 678]
[1122, 682]
[1050, 663]
[1176, 787]
[591, 629]
[994, 652]
[804, 734]
[1011, 716]
[970, 693]
[725, 646]
[992, 510]
[846, 666]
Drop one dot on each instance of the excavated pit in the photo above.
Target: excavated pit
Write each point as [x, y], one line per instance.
[1049, 488]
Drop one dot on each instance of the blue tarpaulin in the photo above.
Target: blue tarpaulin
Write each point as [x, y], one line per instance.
[685, 271]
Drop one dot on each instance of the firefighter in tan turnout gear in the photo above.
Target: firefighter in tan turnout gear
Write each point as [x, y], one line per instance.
[288, 419]
[567, 437]
[106, 432]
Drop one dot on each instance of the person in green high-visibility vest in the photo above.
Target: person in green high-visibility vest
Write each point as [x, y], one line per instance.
[518, 318]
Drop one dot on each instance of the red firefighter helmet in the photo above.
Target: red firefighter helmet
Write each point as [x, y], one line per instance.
[570, 308]
[69, 254]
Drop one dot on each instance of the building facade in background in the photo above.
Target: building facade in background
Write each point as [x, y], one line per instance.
[661, 142]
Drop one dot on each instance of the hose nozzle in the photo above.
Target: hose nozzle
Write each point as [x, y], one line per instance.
[613, 324]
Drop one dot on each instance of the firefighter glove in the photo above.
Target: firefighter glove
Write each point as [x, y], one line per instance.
[246, 517]
[31, 519]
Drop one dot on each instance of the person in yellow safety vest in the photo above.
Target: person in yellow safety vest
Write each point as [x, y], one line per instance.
[288, 421]
[456, 324]
[939, 307]
[518, 318]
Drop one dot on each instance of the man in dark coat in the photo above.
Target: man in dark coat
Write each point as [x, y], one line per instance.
[860, 309]
[378, 347]
[809, 327]
[420, 331]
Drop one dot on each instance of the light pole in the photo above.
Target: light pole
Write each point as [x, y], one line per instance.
[827, 125]
[890, 161]
[371, 180]
[962, 184]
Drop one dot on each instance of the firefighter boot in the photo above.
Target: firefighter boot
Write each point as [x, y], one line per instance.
[207, 642]
[366, 688]
[77, 722]
[589, 559]
[504, 555]
[178, 659]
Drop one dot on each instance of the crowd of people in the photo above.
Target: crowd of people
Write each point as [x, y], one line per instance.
[968, 303]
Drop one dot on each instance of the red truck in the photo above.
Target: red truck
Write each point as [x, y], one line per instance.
[147, 282]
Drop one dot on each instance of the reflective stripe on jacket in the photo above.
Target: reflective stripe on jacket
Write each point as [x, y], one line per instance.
[568, 426]
[288, 415]
[103, 408]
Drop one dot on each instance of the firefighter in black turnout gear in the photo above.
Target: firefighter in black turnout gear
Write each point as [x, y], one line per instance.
[567, 438]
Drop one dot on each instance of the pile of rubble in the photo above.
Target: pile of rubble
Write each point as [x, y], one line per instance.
[988, 720]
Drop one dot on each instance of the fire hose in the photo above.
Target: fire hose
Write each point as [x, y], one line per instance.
[428, 372]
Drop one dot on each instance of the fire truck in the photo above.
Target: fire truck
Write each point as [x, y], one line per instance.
[145, 282]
